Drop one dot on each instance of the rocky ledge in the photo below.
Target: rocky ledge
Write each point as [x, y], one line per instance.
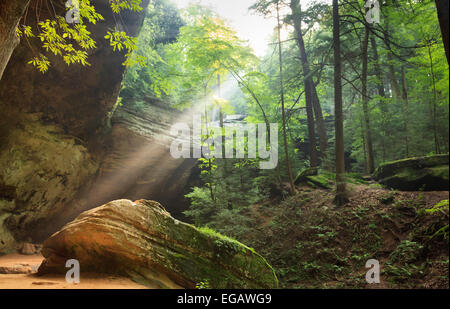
[141, 240]
[429, 173]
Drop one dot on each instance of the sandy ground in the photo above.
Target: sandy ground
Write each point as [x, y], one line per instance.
[32, 281]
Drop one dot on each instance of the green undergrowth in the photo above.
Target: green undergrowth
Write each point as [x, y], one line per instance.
[222, 241]
[326, 180]
[312, 244]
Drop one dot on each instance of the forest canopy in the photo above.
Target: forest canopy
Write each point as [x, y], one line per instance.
[394, 82]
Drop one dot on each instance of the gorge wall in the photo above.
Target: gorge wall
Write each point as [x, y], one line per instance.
[61, 152]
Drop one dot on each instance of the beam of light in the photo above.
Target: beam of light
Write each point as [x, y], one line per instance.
[153, 156]
[142, 172]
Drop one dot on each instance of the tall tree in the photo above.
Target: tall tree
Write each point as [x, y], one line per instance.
[393, 78]
[222, 127]
[311, 98]
[434, 103]
[341, 194]
[405, 110]
[382, 95]
[370, 168]
[283, 113]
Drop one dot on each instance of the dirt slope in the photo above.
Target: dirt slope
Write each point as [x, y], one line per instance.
[312, 244]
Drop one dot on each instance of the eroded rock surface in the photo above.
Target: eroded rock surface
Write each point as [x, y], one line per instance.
[141, 240]
[429, 173]
[138, 163]
[41, 169]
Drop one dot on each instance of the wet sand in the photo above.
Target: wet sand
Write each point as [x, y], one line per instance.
[24, 263]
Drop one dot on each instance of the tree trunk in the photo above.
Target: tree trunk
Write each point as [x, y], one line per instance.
[225, 172]
[211, 191]
[405, 110]
[320, 122]
[370, 168]
[363, 136]
[442, 12]
[221, 118]
[394, 83]
[382, 94]
[434, 104]
[11, 11]
[393, 78]
[311, 108]
[378, 72]
[341, 195]
[283, 114]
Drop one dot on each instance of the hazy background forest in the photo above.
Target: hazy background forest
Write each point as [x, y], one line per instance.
[394, 79]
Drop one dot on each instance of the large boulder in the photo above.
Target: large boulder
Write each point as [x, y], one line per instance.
[311, 177]
[429, 173]
[303, 175]
[141, 240]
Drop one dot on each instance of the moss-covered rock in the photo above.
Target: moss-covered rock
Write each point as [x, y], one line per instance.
[303, 175]
[319, 181]
[429, 173]
[141, 240]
